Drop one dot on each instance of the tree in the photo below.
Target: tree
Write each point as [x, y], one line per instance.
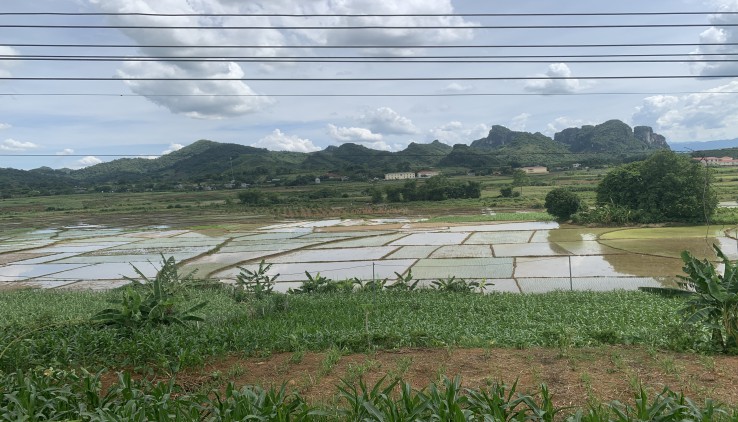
[562, 203]
[665, 187]
[520, 178]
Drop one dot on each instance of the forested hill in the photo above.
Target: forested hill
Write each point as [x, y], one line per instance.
[208, 163]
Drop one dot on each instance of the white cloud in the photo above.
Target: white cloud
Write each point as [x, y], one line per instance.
[561, 123]
[5, 65]
[226, 99]
[4, 126]
[353, 134]
[66, 151]
[457, 133]
[718, 34]
[386, 120]
[172, 148]
[86, 162]
[16, 146]
[280, 141]
[552, 85]
[704, 116]
[519, 122]
[207, 99]
[457, 87]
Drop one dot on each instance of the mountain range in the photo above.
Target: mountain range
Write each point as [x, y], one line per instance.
[206, 162]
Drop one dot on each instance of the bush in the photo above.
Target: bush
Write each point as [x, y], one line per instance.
[562, 203]
[665, 187]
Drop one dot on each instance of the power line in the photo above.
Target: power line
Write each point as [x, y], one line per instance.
[354, 27]
[372, 79]
[370, 47]
[445, 94]
[361, 15]
[693, 58]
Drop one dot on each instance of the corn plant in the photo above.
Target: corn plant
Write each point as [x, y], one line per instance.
[257, 283]
[714, 302]
[157, 305]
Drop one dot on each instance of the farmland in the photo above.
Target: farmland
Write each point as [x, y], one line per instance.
[588, 347]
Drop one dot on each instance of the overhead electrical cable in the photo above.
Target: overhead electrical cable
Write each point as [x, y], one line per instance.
[367, 79]
[443, 94]
[369, 47]
[361, 15]
[355, 27]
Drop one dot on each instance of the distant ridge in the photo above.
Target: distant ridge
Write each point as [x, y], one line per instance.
[690, 146]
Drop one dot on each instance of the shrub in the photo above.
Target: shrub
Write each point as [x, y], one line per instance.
[562, 203]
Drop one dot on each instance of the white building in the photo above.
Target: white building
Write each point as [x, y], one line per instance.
[399, 176]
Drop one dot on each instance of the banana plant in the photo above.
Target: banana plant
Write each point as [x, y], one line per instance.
[713, 301]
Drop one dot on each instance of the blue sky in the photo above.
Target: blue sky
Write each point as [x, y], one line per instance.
[81, 130]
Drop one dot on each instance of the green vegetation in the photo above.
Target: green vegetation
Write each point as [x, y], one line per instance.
[161, 303]
[437, 188]
[51, 394]
[320, 321]
[714, 302]
[562, 203]
[665, 187]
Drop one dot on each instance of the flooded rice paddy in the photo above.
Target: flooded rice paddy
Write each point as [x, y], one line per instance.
[512, 257]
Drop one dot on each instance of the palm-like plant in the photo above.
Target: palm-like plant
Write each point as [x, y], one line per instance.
[258, 282]
[158, 304]
[714, 298]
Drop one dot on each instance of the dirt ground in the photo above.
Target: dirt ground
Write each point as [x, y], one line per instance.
[575, 377]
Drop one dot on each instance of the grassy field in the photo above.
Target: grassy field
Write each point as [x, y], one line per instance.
[590, 348]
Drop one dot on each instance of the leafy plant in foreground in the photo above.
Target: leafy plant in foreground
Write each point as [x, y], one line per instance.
[715, 299]
[405, 282]
[157, 305]
[454, 285]
[258, 283]
[321, 284]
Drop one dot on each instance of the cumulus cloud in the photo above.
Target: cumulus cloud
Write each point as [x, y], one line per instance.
[16, 146]
[66, 151]
[280, 141]
[457, 133]
[552, 85]
[207, 99]
[5, 65]
[519, 122]
[457, 87]
[719, 33]
[386, 120]
[224, 99]
[4, 126]
[353, 134]
[712, 114]
[88, 161]
[561, 123]
[172, 148]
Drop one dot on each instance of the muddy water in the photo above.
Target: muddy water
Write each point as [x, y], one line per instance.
[527, 257]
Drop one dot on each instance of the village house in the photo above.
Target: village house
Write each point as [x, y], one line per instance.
[399, 176]
[535, 170]
[717, 161]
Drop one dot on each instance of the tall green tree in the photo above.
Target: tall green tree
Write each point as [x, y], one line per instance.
[665, 187]
[520, 179]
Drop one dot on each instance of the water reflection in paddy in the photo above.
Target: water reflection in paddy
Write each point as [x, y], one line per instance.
[528, 257]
